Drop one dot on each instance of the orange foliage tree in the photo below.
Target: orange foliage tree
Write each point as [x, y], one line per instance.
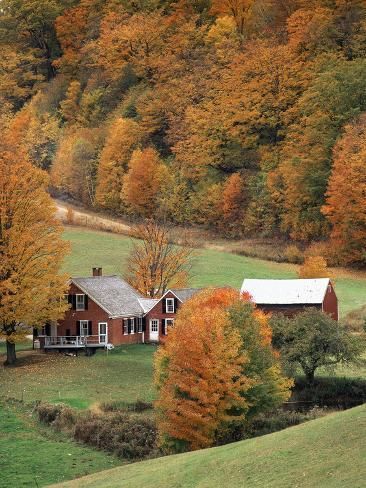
[31, 251]
[234, 201]
[144, 182]
[345, 205]
[123, 138]
[214, 369]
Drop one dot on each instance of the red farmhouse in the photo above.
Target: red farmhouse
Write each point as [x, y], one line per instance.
[106, 310]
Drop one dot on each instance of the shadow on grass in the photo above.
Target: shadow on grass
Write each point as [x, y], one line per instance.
[330, 392]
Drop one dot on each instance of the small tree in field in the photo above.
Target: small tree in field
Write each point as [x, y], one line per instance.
[314, 267]
[31, 251]
[155, 263]
[313, 339]
[215, 368]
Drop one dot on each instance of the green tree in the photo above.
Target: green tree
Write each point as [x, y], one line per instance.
[313, 339]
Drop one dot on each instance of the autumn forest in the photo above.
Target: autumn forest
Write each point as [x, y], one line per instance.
[245, 116]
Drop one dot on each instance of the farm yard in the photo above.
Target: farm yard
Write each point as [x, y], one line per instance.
[124, 375]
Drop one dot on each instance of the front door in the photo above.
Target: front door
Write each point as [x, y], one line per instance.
[103, 332]
[154, 330]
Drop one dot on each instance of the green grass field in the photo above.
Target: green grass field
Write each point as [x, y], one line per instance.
[124, 374]
[329, 452]
[33, 456]
[215, 268]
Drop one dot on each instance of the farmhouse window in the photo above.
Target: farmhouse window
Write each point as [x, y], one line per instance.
[80, 302]
[132, 326]
[125, 326]
[168, 323]
[170, 307]
[139, 325]
[84, 327]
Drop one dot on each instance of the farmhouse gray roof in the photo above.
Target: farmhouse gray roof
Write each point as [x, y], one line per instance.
[287, 292]
[112, 294]
[184, 294]
[148, 303]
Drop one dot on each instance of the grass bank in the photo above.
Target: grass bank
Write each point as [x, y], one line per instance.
[211, 267]
[329, 452]
[32, 456]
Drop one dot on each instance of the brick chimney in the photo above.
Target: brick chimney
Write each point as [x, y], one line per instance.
[97, 271]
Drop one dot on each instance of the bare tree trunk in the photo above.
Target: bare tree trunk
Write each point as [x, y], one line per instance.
[10, 354]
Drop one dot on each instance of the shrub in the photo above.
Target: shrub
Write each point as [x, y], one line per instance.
[330, 392]
[70, 216]
[120, 406]
[266, 423]
[355, 320]
[66, 420]
[48, 412]
[126, 436]
[293, 254]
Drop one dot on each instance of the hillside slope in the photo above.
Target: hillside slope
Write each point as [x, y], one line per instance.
[329, 452]
[210, 267]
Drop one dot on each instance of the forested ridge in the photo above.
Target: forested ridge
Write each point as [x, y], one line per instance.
[246, 116]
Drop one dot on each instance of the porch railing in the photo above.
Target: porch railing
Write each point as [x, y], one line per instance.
[74, 341]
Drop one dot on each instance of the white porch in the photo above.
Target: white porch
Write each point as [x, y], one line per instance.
[74, 342]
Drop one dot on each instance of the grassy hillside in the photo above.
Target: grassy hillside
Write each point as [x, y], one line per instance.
[93, 248]
[329, 452]
[32, 456]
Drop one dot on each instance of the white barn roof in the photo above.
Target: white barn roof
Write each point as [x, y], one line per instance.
[286, 292]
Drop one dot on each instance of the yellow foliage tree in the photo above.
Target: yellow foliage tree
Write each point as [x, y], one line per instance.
[314, 267]
[31, 251]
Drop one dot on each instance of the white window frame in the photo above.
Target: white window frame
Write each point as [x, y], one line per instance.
[82, 328]
[132, 325]
[79, 307]
[139, 325]
[153, 325]
[170, 302]
[166, 325]
[125, 326]
[106, 332]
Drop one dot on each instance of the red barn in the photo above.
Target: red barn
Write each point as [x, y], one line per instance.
[293, 296]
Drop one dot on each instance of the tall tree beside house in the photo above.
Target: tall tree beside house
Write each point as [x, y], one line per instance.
[31, 251]
[215, 369]
[198, 374]
[155, 264]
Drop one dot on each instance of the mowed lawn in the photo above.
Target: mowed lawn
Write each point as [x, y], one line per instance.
[33, 456]
[211, 268]
[124, 374]
[329, 452]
